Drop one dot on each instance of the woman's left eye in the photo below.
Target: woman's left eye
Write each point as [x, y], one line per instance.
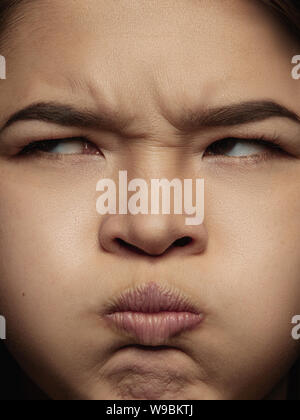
[62, 147]
[232, 147]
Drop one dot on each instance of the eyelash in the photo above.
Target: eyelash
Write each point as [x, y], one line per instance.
[272, 144]
[41, 146]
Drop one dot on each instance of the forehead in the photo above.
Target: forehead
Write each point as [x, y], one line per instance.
[167, 51]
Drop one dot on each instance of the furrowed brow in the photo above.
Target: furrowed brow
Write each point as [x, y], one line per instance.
[69, 116]
[233, 115]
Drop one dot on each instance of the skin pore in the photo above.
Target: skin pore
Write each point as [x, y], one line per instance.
[145, 65]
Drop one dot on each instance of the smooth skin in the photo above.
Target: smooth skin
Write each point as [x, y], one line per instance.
[148, 62]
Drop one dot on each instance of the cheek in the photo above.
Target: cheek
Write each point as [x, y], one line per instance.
[254, 232]
[254, 229]
[250, 278]
[46, 236]
[48, 247]
[46, 217]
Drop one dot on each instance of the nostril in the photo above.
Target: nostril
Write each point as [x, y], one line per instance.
[181, 242]
[129, 247]
[185, 240]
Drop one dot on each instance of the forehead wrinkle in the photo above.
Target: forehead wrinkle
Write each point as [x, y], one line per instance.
[13, 13]
[141, 121]
[80, 86]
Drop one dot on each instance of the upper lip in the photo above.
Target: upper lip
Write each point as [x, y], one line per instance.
[152, 298]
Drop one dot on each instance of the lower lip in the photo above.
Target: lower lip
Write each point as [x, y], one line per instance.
[154, 328]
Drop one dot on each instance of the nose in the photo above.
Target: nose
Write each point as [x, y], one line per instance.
[151, 235]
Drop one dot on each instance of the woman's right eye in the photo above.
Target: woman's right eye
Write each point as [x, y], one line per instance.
[72, 146]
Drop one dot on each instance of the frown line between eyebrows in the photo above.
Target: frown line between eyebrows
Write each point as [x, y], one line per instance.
[191, 121]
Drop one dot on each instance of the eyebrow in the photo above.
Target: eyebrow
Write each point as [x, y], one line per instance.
[233, 115]
[69, 116]
[230, 115]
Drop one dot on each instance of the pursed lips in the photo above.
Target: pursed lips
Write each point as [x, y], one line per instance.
[152, 314]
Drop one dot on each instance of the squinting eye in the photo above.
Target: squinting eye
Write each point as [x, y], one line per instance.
[70, 146]
[232, 147]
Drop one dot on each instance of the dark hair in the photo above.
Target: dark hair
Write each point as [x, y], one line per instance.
[6, 7]
[289, 10]
[12, 377]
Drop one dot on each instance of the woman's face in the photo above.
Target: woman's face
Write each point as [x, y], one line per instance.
[149, 64]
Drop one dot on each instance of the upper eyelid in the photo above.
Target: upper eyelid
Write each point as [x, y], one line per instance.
[31, 145]
[58, 140]
[272, 138]
[258, 139]
[273, 141]
[271, 148]
[261, 141]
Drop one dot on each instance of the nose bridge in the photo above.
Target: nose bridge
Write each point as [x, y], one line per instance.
[157, 156]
